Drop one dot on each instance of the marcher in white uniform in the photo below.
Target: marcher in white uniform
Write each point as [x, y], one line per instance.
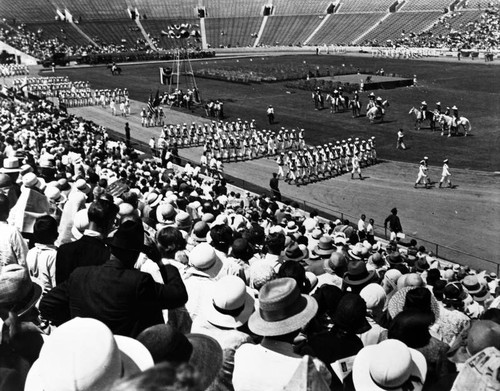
[445, 176]
[422, 174]
[400, 142]
[355, 166]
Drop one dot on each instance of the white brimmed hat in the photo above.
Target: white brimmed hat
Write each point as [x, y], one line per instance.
[390, 365]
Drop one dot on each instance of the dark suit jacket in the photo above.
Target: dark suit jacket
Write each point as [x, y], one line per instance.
[87, 251]
[126, 300]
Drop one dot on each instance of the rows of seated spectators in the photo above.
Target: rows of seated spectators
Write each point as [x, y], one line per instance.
[119, 274]
[7, 70]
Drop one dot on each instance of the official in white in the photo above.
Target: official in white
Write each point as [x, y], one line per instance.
[445, 176]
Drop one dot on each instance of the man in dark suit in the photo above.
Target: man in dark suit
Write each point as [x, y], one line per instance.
[125, 299]
[90, 249]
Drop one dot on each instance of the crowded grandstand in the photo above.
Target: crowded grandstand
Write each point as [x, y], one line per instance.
[159, 242]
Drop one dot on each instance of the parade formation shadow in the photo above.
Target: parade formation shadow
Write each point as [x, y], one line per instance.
[472, 87]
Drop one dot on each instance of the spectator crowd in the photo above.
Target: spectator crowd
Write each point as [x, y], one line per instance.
[123, 273]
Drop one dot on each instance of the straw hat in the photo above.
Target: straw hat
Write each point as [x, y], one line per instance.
[18, 293]
[282, 309]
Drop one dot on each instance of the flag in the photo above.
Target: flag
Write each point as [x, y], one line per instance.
[150, 103]
[157, 100]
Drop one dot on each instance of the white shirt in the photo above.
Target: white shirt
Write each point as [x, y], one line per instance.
[446, 171]
[41, 261]
[13, 248]
[361, 225]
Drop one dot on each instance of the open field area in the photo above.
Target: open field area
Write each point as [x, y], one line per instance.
[463, 221]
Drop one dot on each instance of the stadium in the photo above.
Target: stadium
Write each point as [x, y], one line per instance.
[217, 69]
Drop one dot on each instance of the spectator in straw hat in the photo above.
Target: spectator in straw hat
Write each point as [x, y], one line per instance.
[90, 249]
[225, 320]
[333, 271]
[8, 188]
[357, 276]
[99, 291]
[389, 365]
[374, 297]
[83, 354]
[283, 311]
[13, 248]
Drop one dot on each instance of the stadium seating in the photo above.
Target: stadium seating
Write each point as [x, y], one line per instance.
[231, 8]
[155, 9]
[408, 22]
[456, 22]
[117, 32]
[344, 28]
[27, 11]
[231, 31]
[289, 30]
[64, 32]
[426, 5]
[353, 6]
[305, 7]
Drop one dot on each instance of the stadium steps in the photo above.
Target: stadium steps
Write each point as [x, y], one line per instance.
[25, 58]
[145, 35]
[261, 30]
[320, 25]
[203, 32]
[366, 32]
[83, 34]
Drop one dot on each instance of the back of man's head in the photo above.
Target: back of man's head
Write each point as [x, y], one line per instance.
[275, 243]
[4, 207]
[102, 213]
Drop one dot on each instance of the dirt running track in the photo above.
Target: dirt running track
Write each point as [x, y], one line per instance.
[465, 219]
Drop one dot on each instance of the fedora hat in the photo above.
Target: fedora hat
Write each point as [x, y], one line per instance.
[389, 365]
[336, 264]
[325, 246]
[232, 303]
[294, 253]
[31, 181]
[395, 258]
[10, 164]
[153, 199]
[18, 293]
[83, 354]
[358, 252]
[471, 283]
[357, 274]
[129, 236]
[200, 231]
[399, 300]
[282, 309]
[183, 221]
[54, 195]
[291, 227]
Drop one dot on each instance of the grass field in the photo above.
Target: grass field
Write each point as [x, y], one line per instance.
[473, 87]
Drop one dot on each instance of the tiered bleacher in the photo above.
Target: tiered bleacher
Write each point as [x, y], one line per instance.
[120, 34]
[289, 30]
[234, 32]
[306, 7]
[232, 9]
[354, 6]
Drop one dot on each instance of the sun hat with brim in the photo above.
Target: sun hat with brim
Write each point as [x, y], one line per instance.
[165, 214]
[80, 223]
[325, 246]
[472, 284]
[31, 181]
[294, 253]
[82, 185]
[398, 300]
[377, 260]
[10, 164]
[282, 309]
[54, 195]
[153, 199]
[357, 273]
[389, 365]
[82, 354]
[291, 227]
[482, 295]
[358, 252]
[200, 231]
[18, 292]
[204, 259]
[232, 303]
[395, 258]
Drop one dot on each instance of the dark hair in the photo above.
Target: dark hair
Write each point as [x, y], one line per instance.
[492, 314]
[45, 230]
[433, 275]
[222, 237]
[418, 300]
[410, 328]
[275, 243]
[102, 212]
[170, 240]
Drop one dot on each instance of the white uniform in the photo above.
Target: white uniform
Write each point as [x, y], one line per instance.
[422, 174]
[445, 176]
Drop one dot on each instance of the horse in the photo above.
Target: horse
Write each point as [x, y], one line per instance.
[337, 102]
[355, 106]
[115, 70]
[429, 115]
[452, 124]
[377, 111]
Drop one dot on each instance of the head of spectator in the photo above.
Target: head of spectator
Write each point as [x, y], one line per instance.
[260, 274]
[410, 279]
[336, 264]
[415, 299]
[33, 182]
[221, 237]
[294, 253]
[350, 314]
[128, 242]
[4, 207]
[183, 221]
[411, 328]
[232, 303]
[454, 296]
[296, 271]
[389, 365]
[483, 334]
[204, 259]
[45, 230]
[242, 249]
[83, 354]
[438, 289]
[325, 247]
[390, 281]
[275, 243]
[200, 231]
[283, 310]
[492, 314]
[357, 276]
[102, 214]
[170, 240]
[80, 223]
[165, 215]
[374, 297]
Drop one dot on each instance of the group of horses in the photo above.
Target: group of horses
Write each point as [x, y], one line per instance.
[447, 123]
[340, 103]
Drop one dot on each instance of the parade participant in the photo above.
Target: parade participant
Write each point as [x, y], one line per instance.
[422, 174]
[445, 176]
[112, 106]
[438, 107]
[400, 143]
[281, 162]
[454, 114]
[356, 166]
[270, 114]
[274, 185]
[423, 110]
[394, 224]
[144, 116]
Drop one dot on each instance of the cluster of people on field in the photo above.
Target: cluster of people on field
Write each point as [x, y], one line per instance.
[119, 274]
[306, 165]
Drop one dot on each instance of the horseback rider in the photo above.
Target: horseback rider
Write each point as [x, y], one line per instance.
[379, 105]
[454, 114]
[371, 102]
[356, 105]
[113, 67]
[423, 110]
[438, 107]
